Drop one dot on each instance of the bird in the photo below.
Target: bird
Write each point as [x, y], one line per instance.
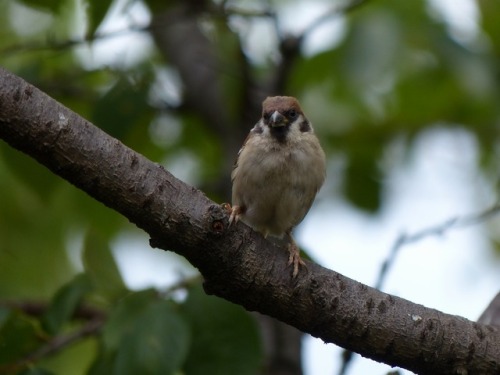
[277, 174]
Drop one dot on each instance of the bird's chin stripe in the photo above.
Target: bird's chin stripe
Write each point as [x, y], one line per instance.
[280, 133]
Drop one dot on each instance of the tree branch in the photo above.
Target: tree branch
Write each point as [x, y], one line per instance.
[490, 316]
[237, 263]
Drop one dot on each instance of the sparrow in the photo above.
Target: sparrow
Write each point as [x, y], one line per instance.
[278, 172]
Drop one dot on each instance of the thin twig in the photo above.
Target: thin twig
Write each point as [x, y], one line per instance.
[61, 45]
[53, 346]
[38, 308]
[248, 13]
[438, 230]
[336, 11]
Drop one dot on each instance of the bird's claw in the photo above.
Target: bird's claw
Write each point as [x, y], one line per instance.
[227, 207]
[295, 259]
[233, 212]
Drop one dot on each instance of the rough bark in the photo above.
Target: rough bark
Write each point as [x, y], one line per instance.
[237, 263]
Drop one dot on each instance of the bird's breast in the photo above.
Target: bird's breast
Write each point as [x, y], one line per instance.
[276, 185]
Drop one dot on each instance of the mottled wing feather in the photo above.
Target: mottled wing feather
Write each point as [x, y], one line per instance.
[255, 130]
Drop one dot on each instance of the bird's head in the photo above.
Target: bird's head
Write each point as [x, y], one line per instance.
[282, 115]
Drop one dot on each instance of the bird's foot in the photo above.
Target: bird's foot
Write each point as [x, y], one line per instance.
[227, 207]
[294, 258]
[233, 212]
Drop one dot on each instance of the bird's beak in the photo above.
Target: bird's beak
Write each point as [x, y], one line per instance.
[277, 120]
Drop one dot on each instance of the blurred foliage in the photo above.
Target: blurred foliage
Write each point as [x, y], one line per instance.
[398, 69]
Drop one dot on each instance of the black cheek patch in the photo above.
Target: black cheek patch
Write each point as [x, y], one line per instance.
[257, 129]
[304, 126]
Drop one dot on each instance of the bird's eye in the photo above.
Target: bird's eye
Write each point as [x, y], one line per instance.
[266, 116]
[292, 113]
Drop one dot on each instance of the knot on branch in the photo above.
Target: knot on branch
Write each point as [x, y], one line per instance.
[218, 218]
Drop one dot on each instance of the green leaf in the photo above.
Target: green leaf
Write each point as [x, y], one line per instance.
[144, 335]
[37, 179]
[362, 183]
[101, 267]
[128, 99]
[103, 364]
[4, 315]
[489, 22]
[19, 336]
[96, 11]
[127, 311]
[157, 343]
[36, 371]
[64, 303]
[50, 5]
[225, 338]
